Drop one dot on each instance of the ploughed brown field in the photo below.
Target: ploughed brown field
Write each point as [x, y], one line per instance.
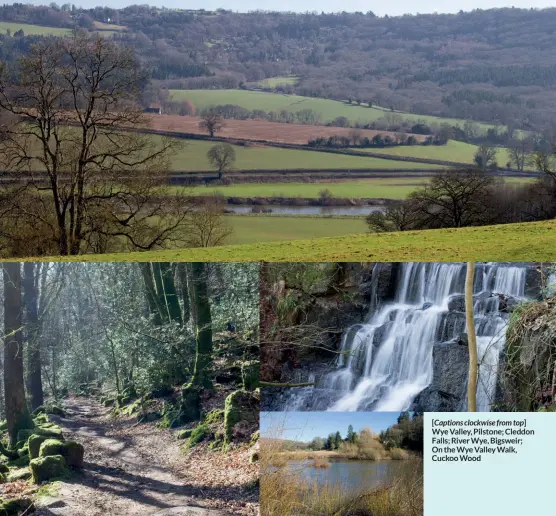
[262, 130]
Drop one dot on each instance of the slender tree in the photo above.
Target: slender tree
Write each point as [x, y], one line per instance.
[472, 340]
[31, 301]
[17, 414]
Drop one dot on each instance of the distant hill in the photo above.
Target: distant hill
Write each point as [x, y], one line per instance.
[497, 66]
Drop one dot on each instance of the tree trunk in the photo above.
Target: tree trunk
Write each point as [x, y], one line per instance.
[30, 300]
[17, 413]
[170, 296]
[182, 275]
[203, 325]
[472, 340]
[150, 291]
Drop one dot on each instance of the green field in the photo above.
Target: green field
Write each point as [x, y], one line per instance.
[260, 228]
[459, 152]
[511, 242]
[194, 157]
[33, 30]
[328, 109]
[391, 188]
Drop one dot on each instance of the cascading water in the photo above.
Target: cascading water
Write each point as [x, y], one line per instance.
[387, 361]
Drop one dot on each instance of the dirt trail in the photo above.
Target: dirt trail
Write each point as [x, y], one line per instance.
[123, 475]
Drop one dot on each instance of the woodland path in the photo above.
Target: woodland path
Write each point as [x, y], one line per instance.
[122, 475]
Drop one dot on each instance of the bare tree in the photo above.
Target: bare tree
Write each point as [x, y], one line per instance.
[83, 183]
[453, 199]
[211, 122]
[520, 150]
[485, 156]
[207, 227]
[222, 156]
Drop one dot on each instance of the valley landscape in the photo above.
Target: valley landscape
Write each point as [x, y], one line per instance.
[253, 148]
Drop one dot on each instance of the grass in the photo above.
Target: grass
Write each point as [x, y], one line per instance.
[250, 229]
[387, 188]
[328, 109]
[193, 157]
[460, 152]
[33, 30]
[533, 242]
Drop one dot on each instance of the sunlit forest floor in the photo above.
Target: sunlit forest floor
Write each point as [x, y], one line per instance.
[137, 469]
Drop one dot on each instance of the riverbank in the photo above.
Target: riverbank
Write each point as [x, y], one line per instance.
[323, 455]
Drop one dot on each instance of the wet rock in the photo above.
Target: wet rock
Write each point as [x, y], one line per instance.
[456, 303]
[447, 392]
[381, 285]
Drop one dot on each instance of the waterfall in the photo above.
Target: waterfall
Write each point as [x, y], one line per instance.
[387, 360]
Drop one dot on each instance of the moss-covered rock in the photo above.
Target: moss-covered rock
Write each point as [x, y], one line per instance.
[239, 406]
[214, 417]
[71, 451]
[250, 372]
[184, 434]
[4, 468]
[14, 507]
[46, 468]
[200, 433]
[23, 435]
[53, 431]
[41, 419]
[34, 444]
[19, 474]
[10, 454]
[184, 410]
[49, 408]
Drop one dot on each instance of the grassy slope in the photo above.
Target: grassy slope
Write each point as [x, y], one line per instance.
[273, 82]
[512, 242]
[37, 30]
[194, 157]
[329, 109]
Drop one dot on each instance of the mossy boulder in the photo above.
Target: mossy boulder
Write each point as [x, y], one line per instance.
[240, 406]
[23, 435]
[184, 410]
[49, 408]
[71, 451]
[14, 507]
[46, 468]
[10, 454]
[200, 433]
[53, 431]
[34, 444]
[18, 475]
[214, 417]
[184, 434]
[4, 468]
[250, 372]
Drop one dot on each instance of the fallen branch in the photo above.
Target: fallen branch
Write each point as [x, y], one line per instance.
[270, 384]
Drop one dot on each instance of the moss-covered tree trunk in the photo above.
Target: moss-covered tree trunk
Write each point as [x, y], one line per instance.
[471, 339]
[31, 302]
[150, 292]
[17, 413]
[169, 293]
[160, 290]
[202, 324]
